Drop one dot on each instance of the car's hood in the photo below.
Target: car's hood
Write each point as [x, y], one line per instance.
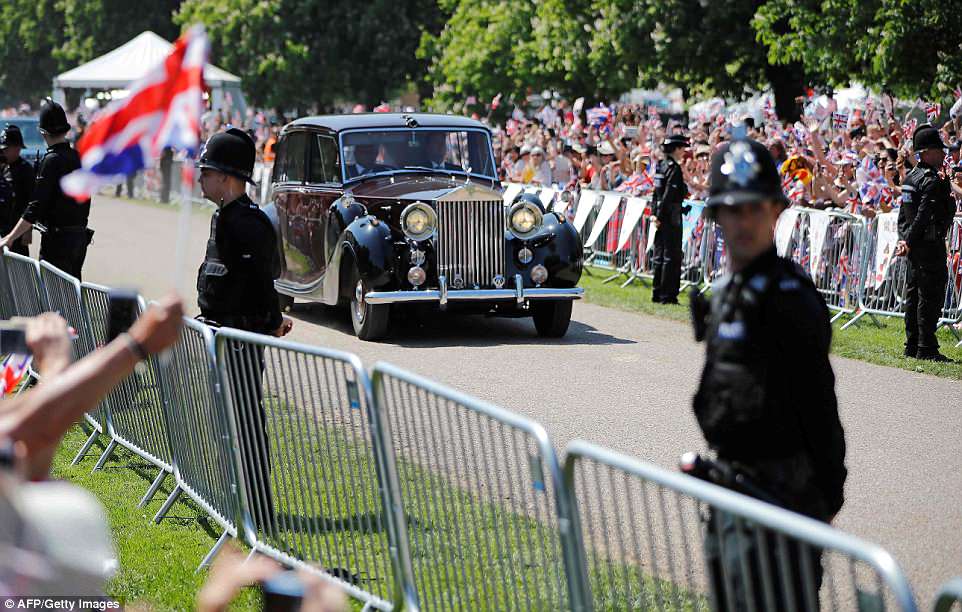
[424, 187]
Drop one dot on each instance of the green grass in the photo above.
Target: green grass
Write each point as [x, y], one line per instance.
[157, 562]
[881, 345]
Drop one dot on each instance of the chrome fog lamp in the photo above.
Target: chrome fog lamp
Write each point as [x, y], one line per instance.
[419, 221]
[539, 274]
[417, 276]
[525, 255]
[524, 219]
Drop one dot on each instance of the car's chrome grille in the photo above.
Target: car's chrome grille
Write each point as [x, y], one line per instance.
[470, 243]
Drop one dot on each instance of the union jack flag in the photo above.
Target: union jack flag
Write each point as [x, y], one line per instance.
[599, 116]
[932, 110]
[839, 120]
[162, 110]
[908, 130]
[12, 371]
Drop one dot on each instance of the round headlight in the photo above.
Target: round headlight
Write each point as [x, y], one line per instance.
[418, 221]
[524, 219]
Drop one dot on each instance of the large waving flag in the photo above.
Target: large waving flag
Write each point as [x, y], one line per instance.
[162, 110]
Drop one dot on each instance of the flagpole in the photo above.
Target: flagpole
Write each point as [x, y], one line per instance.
[183, 226]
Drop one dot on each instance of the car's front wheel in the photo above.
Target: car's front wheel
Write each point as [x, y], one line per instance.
[551, 319]
[370, 320]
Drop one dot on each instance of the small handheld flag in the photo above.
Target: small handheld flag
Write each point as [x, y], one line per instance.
[162, 110]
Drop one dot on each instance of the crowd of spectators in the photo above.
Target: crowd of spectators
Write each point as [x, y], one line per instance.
[854, 161]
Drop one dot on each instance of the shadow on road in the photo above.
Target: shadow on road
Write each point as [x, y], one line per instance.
[427, 328]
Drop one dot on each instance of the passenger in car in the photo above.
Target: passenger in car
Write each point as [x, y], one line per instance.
[365, 160]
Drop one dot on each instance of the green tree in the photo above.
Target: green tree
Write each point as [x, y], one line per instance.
[483, 50]
[601, 48]
[706, 48]
[911, 48]
[40, 38]
[307, 54]
[30, 33]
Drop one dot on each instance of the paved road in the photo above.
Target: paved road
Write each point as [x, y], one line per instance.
[625, 381]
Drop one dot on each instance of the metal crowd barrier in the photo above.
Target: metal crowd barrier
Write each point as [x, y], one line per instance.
[836, 266]
[200, 439]
[653, 538]
[310, 471]
[136, 406]
[8, 308]
[480, 489]
[63, 296]
[23, 273]
[948, 596]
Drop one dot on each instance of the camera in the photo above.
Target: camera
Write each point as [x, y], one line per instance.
[282, 592]
[124, 310]
[13, 338]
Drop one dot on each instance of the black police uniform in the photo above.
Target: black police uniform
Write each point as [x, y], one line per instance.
[235, 283]
[669, 196]
[235, 287]
[925, 217]
[766, 400]
[16, 189]
[61, 219]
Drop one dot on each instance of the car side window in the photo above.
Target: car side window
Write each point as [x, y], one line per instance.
[323, 160]
[295, 157]
[280, 170]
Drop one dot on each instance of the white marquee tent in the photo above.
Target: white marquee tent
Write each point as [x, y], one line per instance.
[132, 60]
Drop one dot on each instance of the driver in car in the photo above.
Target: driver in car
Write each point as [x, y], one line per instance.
[365, 160]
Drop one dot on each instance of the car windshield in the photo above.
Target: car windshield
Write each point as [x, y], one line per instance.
[371, 152]
[30, 130]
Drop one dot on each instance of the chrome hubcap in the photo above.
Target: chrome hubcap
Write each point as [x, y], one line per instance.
[359, 301]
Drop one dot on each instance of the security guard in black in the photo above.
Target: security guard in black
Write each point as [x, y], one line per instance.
[766, 399]
[235, 283]
[61, 219]
[925, 217]
[668, 204]
[17, 177]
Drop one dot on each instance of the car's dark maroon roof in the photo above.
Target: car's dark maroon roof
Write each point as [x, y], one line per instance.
[338, 123]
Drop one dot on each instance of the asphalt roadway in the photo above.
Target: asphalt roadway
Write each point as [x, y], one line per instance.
[624, 381]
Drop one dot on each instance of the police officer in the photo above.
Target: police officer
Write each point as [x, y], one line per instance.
[17, 176]
[61, 219]
[668, 208]
[235, 288]
[925, 217]
[766, 400]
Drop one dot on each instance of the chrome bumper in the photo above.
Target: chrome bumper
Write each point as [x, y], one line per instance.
[443, 295]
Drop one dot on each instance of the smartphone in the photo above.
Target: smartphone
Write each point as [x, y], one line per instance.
[283, 592]
[124, 310]
[13, 339]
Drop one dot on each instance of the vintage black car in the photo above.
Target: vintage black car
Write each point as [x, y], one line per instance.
[379, 210]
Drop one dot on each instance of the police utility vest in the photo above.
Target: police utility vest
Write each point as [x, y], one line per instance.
[225, 295]
[927, 208]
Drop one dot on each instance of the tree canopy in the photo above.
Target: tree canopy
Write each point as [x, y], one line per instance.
[310, 53]
[305, 54]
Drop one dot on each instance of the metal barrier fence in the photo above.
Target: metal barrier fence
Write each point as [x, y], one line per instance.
[653, 538]
[63, 296]
[486, 514]
[310, 471]
[23, 274]
[8, 308]
[948, 596]
[200, 438]
[408, 494]
[136, 406]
